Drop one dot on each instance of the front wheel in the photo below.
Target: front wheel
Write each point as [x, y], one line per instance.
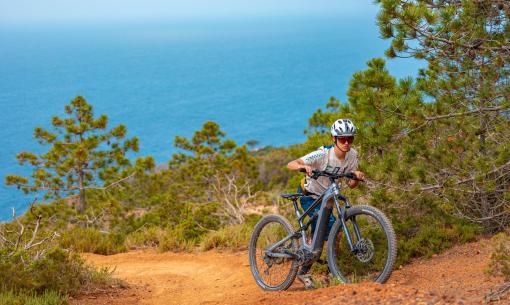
[272, 273]
[375, 247]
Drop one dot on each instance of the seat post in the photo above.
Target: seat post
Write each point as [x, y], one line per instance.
[296, 208]
[294, 203]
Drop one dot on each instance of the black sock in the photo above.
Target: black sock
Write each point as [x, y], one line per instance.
[305, 269]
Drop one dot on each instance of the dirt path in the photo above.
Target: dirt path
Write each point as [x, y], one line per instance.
[454, 277]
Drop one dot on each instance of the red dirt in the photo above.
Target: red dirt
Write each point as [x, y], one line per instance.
[454, 277]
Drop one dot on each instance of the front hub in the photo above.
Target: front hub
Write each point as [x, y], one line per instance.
[364, 250]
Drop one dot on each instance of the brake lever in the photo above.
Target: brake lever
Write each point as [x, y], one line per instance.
[315, 175]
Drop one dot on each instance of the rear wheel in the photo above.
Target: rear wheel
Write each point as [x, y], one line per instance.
[376, 247]
[272, 273]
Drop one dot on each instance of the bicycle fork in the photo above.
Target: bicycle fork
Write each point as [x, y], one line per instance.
[342, 212]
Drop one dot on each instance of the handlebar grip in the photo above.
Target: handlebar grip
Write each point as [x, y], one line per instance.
[302, 170]
[352, 177]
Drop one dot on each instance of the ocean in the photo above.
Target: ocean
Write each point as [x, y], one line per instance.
[260, 79]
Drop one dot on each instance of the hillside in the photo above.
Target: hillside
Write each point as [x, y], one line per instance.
[453, 277]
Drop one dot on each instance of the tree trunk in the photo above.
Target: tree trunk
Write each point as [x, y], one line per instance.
[81, 207]
[483, 130]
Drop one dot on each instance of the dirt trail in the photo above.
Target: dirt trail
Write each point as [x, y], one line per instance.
[454, 277]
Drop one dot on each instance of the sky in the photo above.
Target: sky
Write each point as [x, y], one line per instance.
[72, 12]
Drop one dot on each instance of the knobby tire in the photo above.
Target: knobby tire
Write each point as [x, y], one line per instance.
[257, 266]
[335, 240]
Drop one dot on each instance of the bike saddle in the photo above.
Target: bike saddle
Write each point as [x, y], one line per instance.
[292, 196]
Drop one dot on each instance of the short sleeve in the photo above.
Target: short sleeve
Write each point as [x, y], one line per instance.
[314, 158]
[353, 162]
[354, 165]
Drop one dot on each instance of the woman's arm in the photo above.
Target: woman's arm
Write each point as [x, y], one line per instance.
[299, 164]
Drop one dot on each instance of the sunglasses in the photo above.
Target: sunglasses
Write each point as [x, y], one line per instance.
[344, 140]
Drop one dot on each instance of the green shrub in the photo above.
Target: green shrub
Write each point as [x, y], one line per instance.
[92, 240]
[144, 238]
[57, 270]
[500, 257]
[171, 239]
[235, 237]
[206, 215]
[231, 237]
[103, 277]
[177, 240]
[133, 223]
[35, 270]
[31, 298]
[431, 238]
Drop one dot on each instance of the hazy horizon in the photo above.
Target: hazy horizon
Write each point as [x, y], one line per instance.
[28, 13]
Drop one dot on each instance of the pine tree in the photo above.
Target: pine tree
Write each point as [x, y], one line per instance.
[467, 47]
[212, 168]
[82, 154]
[448, 133]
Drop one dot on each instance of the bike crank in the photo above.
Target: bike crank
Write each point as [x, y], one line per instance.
[304, 257]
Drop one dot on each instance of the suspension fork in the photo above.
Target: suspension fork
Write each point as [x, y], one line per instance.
[341, 213]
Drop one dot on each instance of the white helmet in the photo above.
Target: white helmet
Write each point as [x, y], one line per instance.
[343, 128]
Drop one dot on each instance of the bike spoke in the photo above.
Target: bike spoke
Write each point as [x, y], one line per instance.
[273, 270]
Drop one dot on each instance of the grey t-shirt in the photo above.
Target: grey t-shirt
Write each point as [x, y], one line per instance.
[324, 159]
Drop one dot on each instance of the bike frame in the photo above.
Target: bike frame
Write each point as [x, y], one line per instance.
[326, 201]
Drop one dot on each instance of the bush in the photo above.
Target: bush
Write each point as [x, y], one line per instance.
[57, 270]
[144, 238]
[500, 258]
[170, 239]
[235, 237]
[431, 239]
[231, 237]
[31, 298]
[176, 240]
[92, 240]
[34, 270]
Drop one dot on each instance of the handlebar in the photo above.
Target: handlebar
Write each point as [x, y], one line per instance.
[332, 175]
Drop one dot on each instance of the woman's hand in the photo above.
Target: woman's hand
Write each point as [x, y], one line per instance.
[308, 169]
[360, 175]
[354, 183]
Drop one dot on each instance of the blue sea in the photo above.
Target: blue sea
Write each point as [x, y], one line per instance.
[260, 79]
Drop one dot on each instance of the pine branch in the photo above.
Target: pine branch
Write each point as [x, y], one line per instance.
[109, 185]
[475, 45]
[428, 120]
[439, 186]
[34, 233]
[46, 188]
[479, 110]
[22, 229]
[50, 238]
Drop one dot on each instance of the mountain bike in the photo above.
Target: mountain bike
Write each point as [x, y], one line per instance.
[361, 246]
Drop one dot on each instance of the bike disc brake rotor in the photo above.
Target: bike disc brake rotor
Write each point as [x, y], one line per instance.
[365, 250]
